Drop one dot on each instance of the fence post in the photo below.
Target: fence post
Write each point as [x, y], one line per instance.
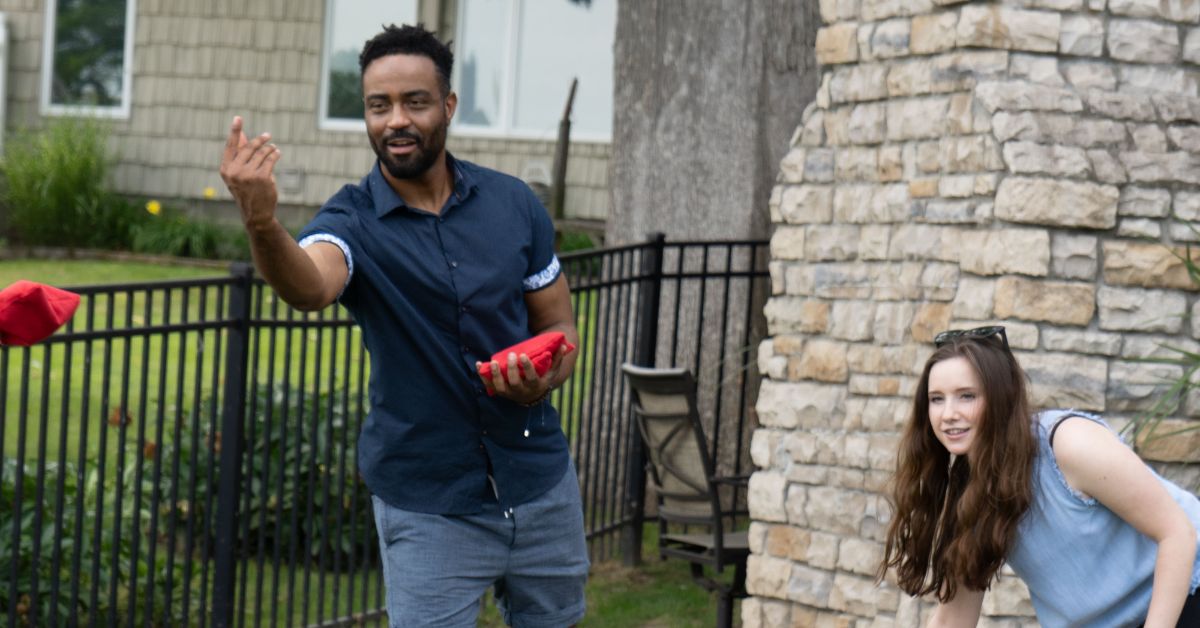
[230, 469]
[647, 347]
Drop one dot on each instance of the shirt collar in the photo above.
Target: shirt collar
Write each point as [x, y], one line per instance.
[387, 200]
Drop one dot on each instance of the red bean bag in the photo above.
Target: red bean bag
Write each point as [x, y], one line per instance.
[30, 312]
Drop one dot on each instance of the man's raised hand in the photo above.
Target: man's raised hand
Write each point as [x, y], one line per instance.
[248, 169]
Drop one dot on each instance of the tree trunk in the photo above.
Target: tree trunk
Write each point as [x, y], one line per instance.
[707, 94]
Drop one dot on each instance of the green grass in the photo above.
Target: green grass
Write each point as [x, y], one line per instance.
[156, 365]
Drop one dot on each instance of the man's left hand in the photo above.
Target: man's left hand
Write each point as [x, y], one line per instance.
[523, 385]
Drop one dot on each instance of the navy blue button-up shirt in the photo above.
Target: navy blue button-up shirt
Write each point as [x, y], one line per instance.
[433, 294]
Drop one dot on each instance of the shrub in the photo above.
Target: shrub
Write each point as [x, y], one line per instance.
[171, 233]
[56, 187]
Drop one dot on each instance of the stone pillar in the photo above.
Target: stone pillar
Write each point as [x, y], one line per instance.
[1030, 163]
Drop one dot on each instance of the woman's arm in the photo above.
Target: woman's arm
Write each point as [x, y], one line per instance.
[1096, 462]
[960, 612]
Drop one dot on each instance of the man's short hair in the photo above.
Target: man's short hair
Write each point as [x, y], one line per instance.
[409, 40]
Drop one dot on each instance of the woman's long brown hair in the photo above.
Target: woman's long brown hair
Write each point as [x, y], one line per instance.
[952, 525]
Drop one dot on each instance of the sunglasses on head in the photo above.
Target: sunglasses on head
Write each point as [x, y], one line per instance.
[978, 333]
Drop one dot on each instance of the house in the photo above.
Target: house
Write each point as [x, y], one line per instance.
[171, 74]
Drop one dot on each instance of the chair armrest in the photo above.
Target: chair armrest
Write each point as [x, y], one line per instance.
[735, 480]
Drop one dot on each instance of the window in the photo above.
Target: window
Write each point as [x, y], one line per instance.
[89, 53]
[514, 61]
[348, 25]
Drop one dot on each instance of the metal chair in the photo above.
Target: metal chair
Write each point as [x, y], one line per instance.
[685, 484]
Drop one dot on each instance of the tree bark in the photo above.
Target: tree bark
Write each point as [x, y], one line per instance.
[707, 94]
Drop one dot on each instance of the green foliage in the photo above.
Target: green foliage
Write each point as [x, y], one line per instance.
[114, 555]
[575, 241]
[55, 187]
[171, 233]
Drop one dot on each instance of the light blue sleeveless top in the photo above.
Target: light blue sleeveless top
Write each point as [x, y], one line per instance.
[1085, 566]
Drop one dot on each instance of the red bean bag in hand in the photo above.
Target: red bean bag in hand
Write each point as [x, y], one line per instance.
[540, 350]
[30, 312]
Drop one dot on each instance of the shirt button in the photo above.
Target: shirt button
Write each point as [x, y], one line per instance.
[464, 309]
[453, 264]
[465, 350]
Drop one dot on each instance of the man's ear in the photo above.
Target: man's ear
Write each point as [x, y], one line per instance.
[451, 105]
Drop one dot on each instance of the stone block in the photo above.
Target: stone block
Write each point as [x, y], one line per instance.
[890, 283]
[1185, 137]
[1187, 206]
[835, 510]
[1077, 341]
[1074, 256]
[765, 496]
[854, 594]
[831, 243]
[891, 164]
[993, 26]
[1129, 309]
[933, 33]
[859, 556]
[873, 242]
[1108, 169]
[1144, 202]
[974, 298]
[1006, 251]
[871, 204]
[830, 280]
[939, 281]
[1036, 68]
[1138, 386]
[1122, 106]
[788, 243]
[813, 132]
[1057, 203]
[765, 447]
[970, 153]
[790, 405]
[785, 541]
[818, 165]
[791, 167]
[1135, 78]
[1191, 46]
[1148, 138]
[808, 586]
[890, 39]
[1142, 347]
[823, 361]
[837, 126]
[1142, 228]
[892, 320]
[803, 204]
[857, 83]
[837, 43]
[921, 118]
[1026, 96]
[1046, 301]
[767, 576]
[867, 124]
[1172, 10]
[1142, 41]
[924, 242]
[1182, 446]
[1146, 265]
[1066, 380]
[856, 164]
[838, 10]
[1089, 75]
[1184, 232]
[929, 319]
[1081, 35]
[853, 320]
[1052, 160]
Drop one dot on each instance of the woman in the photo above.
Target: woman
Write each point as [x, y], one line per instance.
[1100, 539]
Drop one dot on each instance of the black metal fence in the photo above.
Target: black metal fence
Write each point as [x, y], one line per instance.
[183, 453]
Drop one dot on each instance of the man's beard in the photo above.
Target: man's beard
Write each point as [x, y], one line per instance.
[419, 161]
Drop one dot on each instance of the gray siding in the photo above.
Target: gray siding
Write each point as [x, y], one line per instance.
[197, 64]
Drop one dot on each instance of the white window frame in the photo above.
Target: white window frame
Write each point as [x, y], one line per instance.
[324, 122]
[121, 111]
[505, 130]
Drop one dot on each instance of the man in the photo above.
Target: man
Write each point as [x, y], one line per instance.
[442, 263]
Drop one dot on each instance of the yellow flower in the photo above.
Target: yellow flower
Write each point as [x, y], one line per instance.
[210, 192]
[154, 207]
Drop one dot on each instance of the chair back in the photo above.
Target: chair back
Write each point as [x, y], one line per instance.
[664, 406]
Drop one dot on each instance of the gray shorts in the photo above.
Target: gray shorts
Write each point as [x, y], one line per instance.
[436, 567]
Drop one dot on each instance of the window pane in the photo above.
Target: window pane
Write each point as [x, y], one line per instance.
[89, 53]
[480, 57]
[352, 23]
[561, 40]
